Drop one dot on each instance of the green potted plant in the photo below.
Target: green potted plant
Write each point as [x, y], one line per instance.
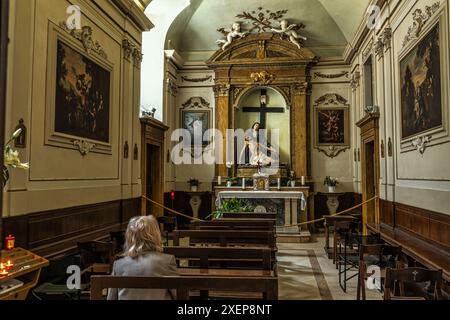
[231, 205]
[230, 181]
[331, 183]
[194, 183]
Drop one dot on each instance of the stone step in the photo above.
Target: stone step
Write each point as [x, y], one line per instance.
[303, 236]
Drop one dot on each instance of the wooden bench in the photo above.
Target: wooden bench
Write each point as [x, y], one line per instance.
[428, 255]
[226, 238]
[223, 257]
[249, 215]
[267, 287]
[235, 224]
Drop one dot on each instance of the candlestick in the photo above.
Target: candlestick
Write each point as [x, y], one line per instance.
[303, 180]
[279, 183]
[243, 183]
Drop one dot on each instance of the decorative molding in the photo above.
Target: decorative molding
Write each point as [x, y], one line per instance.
[331, 98]
[196, 103]
[354, 80]
[137, 57]
[221, 90]
[420, 18]
[83, 146]
[378, 48]
[386, 38]
[172, 87]
[85, 37]
[332, 151]
[331, 76]
[262, 77]
[128, 48]
[420, 143]
[262, 20]
[371, 109]
[186, 79]
[301, 88]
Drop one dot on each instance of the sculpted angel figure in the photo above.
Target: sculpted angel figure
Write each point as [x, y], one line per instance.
[289, 30]
[231, 34]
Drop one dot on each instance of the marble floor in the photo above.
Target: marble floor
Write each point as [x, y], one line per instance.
[305, 273]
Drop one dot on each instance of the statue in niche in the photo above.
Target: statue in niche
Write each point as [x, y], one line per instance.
[257, 151]
[235, 32]
[290, 30]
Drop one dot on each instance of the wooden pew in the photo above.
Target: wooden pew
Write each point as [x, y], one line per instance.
[249, 215]
[235, 224]
[425, 253]
[266, 286]
[328, 223]
[223, 257]
[226, 238]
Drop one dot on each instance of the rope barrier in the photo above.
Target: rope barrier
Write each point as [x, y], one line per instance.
[333, 215]
[171, 210]
[292, 225]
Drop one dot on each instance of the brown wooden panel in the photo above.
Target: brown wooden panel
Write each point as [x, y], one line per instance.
[387, 212]
[440, 228]
[57, 231]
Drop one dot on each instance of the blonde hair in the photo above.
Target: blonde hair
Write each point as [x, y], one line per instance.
[142, 236]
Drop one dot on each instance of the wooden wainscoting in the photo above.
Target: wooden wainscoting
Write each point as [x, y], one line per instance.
[56, 232]
[433, 227]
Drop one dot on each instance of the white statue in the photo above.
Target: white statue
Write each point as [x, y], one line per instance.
[231, 34]
[290, 31]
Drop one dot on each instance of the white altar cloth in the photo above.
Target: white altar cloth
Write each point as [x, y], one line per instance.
[262, 195]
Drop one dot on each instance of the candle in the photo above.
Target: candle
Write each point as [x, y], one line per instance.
[3, 272]
[303, 180]
[279, 183]
[9, 242]
[2, 266]
[219, 180]
[243, 183]
[9, 264]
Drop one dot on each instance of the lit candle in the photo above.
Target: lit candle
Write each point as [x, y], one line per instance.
[243, 183]
[219, 180]
[279, 183]
[303, 180]
[9, 240]
[3, 272]
[9, 264]
[2, 266]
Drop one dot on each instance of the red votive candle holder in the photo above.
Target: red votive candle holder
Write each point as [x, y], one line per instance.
[9, 242]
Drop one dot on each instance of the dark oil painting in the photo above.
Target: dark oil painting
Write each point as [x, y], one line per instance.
[82, 96]
[331, 125]
[420, 72]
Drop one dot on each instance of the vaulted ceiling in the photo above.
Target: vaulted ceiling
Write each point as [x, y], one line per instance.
[330, 24]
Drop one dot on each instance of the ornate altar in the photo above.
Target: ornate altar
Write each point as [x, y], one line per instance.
[248, 171]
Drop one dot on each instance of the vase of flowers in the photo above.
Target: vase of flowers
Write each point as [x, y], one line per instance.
[194, 183]
[331, 183]
[230, 181]
[11, 158]
[291, 180]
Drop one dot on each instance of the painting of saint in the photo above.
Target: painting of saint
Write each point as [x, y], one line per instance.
[82, 96]
[331, 126]
[196, 121]
[420, 77]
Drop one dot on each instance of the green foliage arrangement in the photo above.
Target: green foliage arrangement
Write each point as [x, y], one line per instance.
[232, 205]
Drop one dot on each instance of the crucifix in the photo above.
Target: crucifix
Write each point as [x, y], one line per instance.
[263, 110]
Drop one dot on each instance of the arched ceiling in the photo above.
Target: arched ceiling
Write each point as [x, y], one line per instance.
[330, 24]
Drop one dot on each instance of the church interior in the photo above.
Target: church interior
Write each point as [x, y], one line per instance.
[284, 150]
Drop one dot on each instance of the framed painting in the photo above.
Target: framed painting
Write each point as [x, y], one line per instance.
[331, 126]
[196, 120]
[82, 98]
[420, 85]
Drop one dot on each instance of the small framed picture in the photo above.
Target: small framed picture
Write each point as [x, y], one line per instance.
[196, 122]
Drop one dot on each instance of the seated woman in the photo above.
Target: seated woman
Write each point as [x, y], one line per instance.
[143, 257]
